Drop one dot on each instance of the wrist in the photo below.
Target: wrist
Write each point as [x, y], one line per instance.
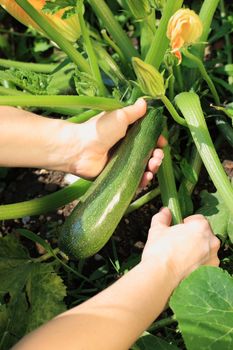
[164, 266]
[63, 146]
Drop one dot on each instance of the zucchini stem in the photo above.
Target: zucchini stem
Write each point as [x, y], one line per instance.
[167, 184]
[190, 106]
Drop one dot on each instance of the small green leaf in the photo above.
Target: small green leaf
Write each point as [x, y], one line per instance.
[188, 171]
[149, 342]
[185, 200]
[218, 215]
[27, 288]
[203, 307]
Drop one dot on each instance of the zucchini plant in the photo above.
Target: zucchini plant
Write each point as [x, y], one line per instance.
[119, 51]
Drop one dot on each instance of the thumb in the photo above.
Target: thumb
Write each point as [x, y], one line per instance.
[112, 126]
[162, 218]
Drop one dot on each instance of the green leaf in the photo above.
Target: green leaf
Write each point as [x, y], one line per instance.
[52, 6]
[188, 171]
[27, 288]
[149, 342]
[203, 306]
[185, 200]
[218, 215]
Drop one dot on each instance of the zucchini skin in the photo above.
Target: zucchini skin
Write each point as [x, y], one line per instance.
[94, 219]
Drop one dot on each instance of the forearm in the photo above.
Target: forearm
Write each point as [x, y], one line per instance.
[29, 140]
[111, 320]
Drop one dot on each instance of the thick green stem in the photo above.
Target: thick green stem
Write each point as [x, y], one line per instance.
[90, 50]
[34, 67]
[98, 103]
[55, 36]
[206, 15]
[44, 204]
[104, 13]
[160, 41]
[173, 111]
[204, 74]
[190, 106]
[167, 185]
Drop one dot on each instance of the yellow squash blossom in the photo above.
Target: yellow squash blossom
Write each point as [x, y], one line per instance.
[184, 28]
[69, 27]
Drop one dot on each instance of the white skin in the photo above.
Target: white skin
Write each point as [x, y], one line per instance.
[28, 140]
[114, 318]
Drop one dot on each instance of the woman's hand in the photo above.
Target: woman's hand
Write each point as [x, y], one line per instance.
[29, 140]
[182, 247]
[91, 141]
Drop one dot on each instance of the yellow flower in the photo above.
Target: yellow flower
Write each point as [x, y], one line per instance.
[69, 27]
[149, 79]
[184, 28]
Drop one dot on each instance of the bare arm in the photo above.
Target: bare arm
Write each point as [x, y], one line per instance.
[115, 318]
[29, 140]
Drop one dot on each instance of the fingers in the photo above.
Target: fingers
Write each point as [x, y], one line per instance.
[147, 177]
[153, 166]
[133, 112]
[162, 141]
[162, 219]
[112, 126]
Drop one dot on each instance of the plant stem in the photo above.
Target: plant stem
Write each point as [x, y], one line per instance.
[46, 256]
[11, 92]
[196, 163]
[55, 36]
[190, 106]
[104, 13]
[44, 204]
[160, 41]
[162, 323]
[206, 15]
[89, 48]
[173, 111]
[227, 37]
[204, 74]
[167, 184]
[83, 117]
[98, 103]
[34, 67]
[113, 45]
[143, 200]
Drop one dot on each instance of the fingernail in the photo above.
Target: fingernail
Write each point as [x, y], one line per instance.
[139, 101]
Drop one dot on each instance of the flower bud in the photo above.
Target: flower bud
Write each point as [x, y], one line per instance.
[184, 28]
[149, 79]
[139, 8]
[69, 27]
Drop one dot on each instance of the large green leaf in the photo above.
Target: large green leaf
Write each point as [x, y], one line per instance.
[149, 342]
[218, 215]
[31, 293]
[203, 306]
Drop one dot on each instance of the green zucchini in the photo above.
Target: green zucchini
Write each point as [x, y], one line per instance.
[100, 209]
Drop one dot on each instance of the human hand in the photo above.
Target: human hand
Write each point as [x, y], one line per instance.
[183, 247]
[90, 142]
